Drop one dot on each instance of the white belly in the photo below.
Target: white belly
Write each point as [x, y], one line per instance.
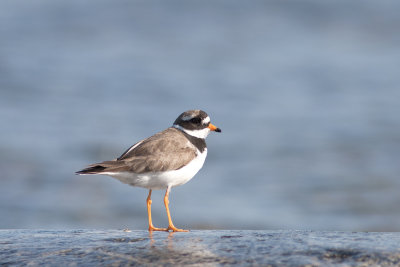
[162, 180]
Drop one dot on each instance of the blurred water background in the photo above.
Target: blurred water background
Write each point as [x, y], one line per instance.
[306, 93]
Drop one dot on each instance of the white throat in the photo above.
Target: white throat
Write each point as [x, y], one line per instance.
[203, 133]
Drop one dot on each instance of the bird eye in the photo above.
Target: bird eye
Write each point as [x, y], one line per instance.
[195, 120]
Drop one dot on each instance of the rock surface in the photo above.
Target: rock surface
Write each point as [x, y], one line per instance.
[201, 248]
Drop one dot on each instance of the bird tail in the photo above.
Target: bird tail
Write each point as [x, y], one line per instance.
[99, 168]
[91, 170]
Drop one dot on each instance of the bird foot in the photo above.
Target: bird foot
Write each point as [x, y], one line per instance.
[152, 228]
[174, 229]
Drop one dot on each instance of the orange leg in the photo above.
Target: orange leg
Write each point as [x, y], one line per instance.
[170, 224]
[151, 227]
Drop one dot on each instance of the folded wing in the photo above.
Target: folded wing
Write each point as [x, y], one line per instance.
[163, 151]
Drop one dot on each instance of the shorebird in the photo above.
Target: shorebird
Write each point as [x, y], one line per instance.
[166, 159]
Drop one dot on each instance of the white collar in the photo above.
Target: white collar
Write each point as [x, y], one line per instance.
[203, 133]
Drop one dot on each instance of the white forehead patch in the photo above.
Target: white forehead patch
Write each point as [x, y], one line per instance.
[206, 120]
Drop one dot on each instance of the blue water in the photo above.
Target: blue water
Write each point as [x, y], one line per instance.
[306, 93]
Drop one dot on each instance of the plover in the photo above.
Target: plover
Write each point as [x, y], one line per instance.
[167, 159]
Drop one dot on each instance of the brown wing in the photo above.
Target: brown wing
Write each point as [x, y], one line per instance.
[167, 150]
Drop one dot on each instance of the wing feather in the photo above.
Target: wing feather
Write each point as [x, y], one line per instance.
[167, 150]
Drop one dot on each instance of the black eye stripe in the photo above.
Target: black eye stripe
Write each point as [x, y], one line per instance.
[195, 120]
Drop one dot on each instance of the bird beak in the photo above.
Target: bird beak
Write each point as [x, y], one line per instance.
[214, 128]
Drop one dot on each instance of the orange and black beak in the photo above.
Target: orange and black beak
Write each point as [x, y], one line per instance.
[214, 128]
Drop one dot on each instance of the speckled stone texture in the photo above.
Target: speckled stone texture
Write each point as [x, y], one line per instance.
[198, 248]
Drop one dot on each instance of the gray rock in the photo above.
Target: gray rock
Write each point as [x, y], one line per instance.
[201, 248]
